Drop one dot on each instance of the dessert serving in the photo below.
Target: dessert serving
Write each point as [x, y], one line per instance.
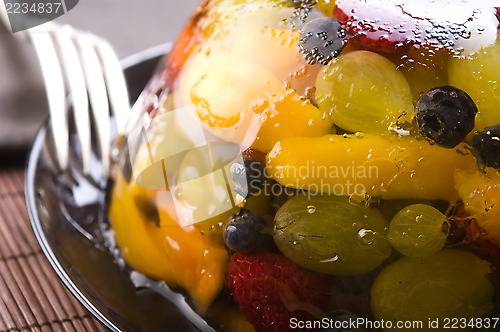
[322, 165]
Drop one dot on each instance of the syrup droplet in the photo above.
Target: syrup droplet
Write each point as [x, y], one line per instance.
[366, 236]
[311, 209]
[330, 260]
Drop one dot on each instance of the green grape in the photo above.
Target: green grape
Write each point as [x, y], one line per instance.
[418, 230]
[363, 91]
[390, 207]
[451, 283]
[328, 234]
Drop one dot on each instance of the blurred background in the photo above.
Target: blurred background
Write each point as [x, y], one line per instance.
[129, 25]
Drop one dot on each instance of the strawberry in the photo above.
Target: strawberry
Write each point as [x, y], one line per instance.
[260, 156]
[392, 26]
[482, 244]
[475, 239]
[272, 290]
[375, 25]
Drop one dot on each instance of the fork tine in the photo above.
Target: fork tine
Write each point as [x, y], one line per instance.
[97, 94]
[78, 90]
[93, 73]
[115, 82]
[54, 86]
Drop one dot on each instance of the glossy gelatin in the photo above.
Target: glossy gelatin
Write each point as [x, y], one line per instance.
[298, 161]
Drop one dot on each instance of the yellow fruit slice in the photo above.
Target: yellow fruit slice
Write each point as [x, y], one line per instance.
[267, 47]
[197, 262]
[229, 19]
[232, 90]
[326, 6]
[235, 97]
[292, 117]
[479, 76]
[424, 69]
[158, 247]
[136, 232]
[247, 105]
[238, 90]
[480, 193]
[391, 168]
[248, 30]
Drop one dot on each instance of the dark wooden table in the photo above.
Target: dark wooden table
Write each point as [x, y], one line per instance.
[32, 298]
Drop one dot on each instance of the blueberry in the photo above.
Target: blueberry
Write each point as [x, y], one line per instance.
[248, 176]
[445, 115]
[487, 146]
[301, 15]
[322, 40]
[244, 231]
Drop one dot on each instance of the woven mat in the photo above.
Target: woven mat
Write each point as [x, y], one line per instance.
[32, 298]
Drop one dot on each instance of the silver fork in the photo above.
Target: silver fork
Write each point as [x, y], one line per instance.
[85, 67]
[93, 73]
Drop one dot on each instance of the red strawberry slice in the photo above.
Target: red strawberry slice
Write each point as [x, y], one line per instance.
[482, 244]
[375, 25]
[475, 239]
[391, 26]
[272, 290]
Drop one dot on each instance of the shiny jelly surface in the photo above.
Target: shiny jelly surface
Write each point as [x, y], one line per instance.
[301, 114]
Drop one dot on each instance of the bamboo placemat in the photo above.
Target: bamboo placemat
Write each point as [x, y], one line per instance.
[32, 298]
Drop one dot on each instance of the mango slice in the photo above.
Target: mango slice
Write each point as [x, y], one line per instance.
[231, 104]
[480, 193]
[227, 86]
[153, 243]
[326, 6]
[424, 69]
[196, 261]
[390, 168]
[293, 117]
[135, 231]
[267, 47]
[479, 76]
[234, 98]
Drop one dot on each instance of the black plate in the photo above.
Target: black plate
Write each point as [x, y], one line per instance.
[68, 217]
